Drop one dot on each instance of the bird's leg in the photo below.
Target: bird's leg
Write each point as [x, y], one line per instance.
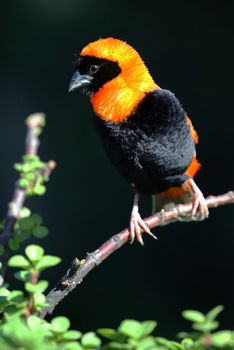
[137, 224]
[199, 202]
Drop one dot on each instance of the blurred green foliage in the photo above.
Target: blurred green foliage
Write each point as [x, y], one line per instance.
[22, 328]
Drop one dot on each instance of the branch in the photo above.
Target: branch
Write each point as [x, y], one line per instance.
[80, 269]
[34, 122]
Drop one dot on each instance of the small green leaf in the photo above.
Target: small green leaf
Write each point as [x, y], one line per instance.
[40, 287]
[18, 166]
[26, 167]
[33, 322]
[72, 335]
[16, 296]
[222, 338]
[164, 342]
[206, 327]
[73, 346]
[147, 327]
[90, 339]
[111, 334]
[146, 343]
[4, 292]
[108, 333]
[34, 252]
[194, 316]
[30, 157]
[22, 276]
[39, 189]
[2, 250]
[19, 261]
[39, 299]
[212, 314]
[23, 183]
[131, 328]
[187, 342]
[175, 345]
[24, 212]
[60, 324]
[37, 219]
[13, 244]
[40, 232]
[118, 346]
[47, 261]
[26, 224]
[21, 236]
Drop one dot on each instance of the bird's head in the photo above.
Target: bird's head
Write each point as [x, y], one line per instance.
[115, 77]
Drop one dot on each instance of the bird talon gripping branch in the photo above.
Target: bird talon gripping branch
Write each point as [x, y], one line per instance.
[144, 129]
[199, 207]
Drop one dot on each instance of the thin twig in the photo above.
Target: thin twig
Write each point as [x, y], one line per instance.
[78, 271]
[33, 122]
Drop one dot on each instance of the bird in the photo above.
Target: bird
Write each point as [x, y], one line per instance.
[144, 129]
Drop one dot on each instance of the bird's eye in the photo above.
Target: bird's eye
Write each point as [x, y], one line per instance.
[93, 69]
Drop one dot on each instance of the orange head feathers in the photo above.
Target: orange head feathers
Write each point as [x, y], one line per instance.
[118, 97]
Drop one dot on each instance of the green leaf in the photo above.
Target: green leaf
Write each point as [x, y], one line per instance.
[13, 244]
[19, 261]
[30, 157]
[39, 299]
[26, 224]
[206, 327]
[2, 250]
[37, 219]
[146, 343]
[16, 296]
[60, 324]
[23, 183]
[22, 276]
[169, 345]
[131, 328]
[212, 314]
[112, 334]
[24, 212]
[40, 232]
[147, 327]
[4, 292]
[90, 339]
[26, 167]
[34, 252]
[119, 346]
[18, 166]
[34, 322]
[39, 189]
[72, 335]
[40, 287]
[222, 338]
[73, 346]
[187, 342]
[21, 236]
[47, 261]
[194, 316]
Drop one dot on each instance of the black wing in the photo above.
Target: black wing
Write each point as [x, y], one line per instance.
[153, 147]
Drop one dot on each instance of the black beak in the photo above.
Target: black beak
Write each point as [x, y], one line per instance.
[79, 81]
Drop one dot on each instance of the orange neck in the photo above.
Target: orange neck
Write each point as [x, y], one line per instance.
[118, 99]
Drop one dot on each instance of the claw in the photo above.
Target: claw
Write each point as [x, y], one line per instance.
[138, 225]
[199, 203]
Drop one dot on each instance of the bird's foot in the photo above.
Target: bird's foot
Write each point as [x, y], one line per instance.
[200, 209]
[137, 226]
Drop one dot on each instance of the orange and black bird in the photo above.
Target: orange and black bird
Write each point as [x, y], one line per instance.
[144, 129]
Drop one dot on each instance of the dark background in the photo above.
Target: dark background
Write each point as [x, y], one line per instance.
[188, 47]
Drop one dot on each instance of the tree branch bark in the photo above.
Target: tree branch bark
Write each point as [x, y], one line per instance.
[79, 270]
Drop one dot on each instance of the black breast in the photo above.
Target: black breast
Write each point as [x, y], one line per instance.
[152, 148]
